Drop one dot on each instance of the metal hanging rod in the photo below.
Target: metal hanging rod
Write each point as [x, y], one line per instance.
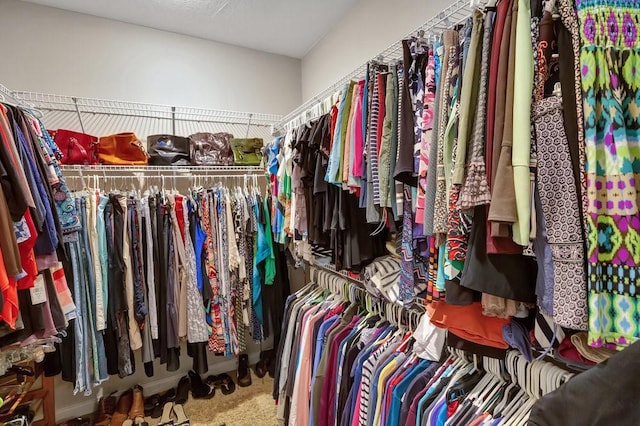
[452, 14]
[134, 177]
[51, 102]
[178, 170]
[331, 268]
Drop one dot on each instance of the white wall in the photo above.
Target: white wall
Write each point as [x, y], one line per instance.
[54, 51]
[367, 29]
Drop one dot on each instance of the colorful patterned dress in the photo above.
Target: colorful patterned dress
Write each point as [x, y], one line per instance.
[610, 74]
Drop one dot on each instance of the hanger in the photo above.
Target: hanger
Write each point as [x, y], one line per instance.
[510, 370]
[521, 397]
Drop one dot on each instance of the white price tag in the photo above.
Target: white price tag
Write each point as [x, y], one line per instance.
[38, 292]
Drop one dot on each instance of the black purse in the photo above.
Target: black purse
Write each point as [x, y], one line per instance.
[167, 150]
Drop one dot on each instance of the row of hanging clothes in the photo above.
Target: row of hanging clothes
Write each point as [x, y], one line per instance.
[37, 217]
[454, 158]
[348, 358]
[154, 268]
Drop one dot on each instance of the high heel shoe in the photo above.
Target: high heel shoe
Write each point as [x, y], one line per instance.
[200, 389]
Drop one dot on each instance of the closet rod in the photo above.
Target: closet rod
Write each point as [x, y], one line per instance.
[455, 12]
[133, 177]
[331, 269]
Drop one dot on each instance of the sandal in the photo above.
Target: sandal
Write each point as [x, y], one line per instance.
[166, 419]
[224, 382]
[137, 421]
[181, 418]
[200, 389]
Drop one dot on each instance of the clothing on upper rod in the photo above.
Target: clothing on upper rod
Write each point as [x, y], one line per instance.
[126, 275]
[36, 215]
[165, 268]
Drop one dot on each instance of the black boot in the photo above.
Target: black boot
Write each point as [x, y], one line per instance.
[244, 374]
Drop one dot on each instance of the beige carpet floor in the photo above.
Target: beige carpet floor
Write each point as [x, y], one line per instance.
[250, 406]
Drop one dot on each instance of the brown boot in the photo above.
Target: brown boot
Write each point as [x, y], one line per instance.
[106, 408]
[137, 407]
[124, 406]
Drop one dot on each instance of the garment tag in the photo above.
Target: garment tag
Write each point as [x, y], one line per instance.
[38, 292]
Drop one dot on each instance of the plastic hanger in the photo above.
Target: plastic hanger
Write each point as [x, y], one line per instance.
[522, 396]
[509, 366]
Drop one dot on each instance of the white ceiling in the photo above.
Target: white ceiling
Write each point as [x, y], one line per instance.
[286, 27]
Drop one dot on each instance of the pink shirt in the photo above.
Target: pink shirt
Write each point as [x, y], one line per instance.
[299, 413]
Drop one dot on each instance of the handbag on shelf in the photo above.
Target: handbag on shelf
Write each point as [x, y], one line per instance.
[168, 150]
[122, 149]
[247, 152]
[77, 148]
[211, 149]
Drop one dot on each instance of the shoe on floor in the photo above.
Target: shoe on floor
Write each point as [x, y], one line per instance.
[122, 408]
[182, 390]
[136, 413]
[244, 373]
[224, 382]
[200, 389]
[106, 409]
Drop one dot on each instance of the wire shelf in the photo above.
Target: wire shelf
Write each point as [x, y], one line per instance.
[457, 11]
[50, 102]
[8, 95]
[163, 169]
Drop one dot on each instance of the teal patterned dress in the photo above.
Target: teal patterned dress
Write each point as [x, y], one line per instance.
[610, 74]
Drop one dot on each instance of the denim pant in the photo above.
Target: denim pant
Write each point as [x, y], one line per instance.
[88, 274]
[103, 253]
[80, 324]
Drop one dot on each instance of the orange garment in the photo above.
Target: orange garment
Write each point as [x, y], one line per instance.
[468, 323]
[10, 309]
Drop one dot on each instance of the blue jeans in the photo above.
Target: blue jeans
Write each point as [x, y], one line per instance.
[96, 337]
[80, 325]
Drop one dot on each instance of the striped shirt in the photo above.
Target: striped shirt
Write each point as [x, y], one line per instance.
[368, 371]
